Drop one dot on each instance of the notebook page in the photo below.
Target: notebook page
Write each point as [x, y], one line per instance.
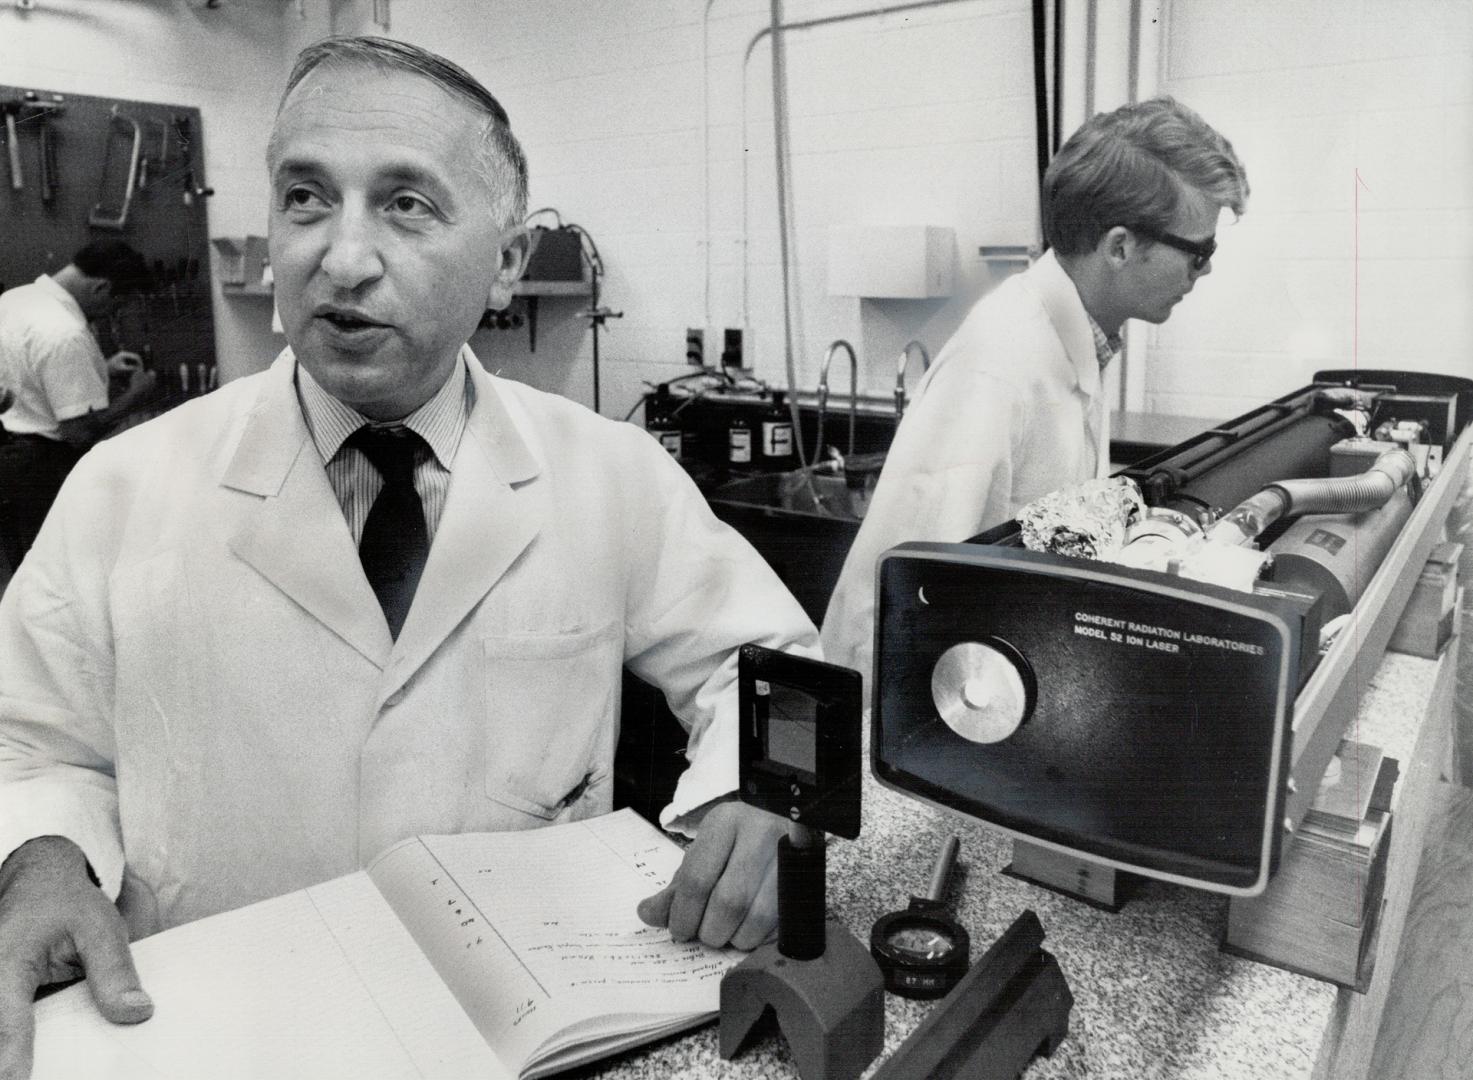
[537, 930]
[431, 1026]
[319, 984]
[578, 932]
[495, 989]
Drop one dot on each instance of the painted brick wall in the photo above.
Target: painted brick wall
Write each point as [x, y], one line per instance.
[920, 118]
[923, 118]
[1332, 105]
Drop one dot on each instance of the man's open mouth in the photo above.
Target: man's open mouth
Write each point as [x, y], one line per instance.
[348, 320]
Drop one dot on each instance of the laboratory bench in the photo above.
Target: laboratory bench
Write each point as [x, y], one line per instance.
[1155, 996]
[1136, 435]
[704, 421]
[806, 547]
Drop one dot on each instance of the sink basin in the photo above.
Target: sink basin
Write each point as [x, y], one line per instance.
[808, 492]
[795, 493]
[802, 540]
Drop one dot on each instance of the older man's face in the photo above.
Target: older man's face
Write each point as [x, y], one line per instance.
[383, 241]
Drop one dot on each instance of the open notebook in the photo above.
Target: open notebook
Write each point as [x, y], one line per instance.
[487, 955]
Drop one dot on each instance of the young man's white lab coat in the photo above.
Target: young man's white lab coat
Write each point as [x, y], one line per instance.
[1013, 408]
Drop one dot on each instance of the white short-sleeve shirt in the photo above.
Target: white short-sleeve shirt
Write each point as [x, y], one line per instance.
[48, 359]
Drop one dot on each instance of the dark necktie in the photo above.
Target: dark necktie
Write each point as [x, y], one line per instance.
[395, 540]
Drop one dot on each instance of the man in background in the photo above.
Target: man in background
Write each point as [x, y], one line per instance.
[58, 380]
[371, 592]
[1014, 406]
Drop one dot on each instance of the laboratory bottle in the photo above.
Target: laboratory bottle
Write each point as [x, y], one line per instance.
[776, 449]
[660, 421]
[739, 449]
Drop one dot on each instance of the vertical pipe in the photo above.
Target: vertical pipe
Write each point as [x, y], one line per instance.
[1058, 75]
[1040, 90]
[772, 29]
[706, 154]
[780, 137]
[1133, 70]
[1090, 48]
[593, 309]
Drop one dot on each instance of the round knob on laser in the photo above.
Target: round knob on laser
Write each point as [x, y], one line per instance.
[979, 692]
[975, 693]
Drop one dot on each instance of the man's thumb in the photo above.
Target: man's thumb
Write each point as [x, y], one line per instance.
[114, 981]
[655, 910]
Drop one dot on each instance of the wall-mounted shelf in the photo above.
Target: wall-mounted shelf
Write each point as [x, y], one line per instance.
[522, 288]
[532, 291]
[553, 288]
[241, 265]
[1021, 254]
[237, 259]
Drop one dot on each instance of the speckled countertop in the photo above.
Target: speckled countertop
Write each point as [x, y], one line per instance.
[1154, 996]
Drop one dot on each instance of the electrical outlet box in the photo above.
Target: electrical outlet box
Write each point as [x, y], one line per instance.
[732, 356]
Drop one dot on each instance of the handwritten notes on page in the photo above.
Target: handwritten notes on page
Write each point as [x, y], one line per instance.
[319, 983]
[536, 932]
[490, 955]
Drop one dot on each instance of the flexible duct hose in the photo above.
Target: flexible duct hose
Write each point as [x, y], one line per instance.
[1351, 494]
[1327, 495]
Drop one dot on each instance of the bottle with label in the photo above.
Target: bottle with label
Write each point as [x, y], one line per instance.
[739, 448]
[659, 420]
[776, 448]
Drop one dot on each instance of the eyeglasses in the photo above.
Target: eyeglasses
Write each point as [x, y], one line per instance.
[1200, 250]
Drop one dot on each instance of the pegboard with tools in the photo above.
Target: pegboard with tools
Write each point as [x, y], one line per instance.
[78, 168]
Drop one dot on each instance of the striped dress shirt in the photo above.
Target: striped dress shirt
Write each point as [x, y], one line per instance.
[356, 483]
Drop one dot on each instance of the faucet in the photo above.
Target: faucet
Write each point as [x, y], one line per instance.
[823, 393]
[900, 373]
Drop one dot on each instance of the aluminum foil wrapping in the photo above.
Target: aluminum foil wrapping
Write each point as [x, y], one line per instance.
[1087, 521]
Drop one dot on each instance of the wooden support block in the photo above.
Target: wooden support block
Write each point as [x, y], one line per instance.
[1430, 618]
[1258, 931]
[1320, 913]
[1102, 886]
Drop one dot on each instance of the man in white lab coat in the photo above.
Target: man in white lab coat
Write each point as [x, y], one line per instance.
[204, 700]
[58, 380]
[1013, 407]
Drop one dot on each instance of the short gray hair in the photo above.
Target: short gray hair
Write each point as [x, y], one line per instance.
[1127, 167]
[504, 166]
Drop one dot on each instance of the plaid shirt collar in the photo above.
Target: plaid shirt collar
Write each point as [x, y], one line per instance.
[1107, 346]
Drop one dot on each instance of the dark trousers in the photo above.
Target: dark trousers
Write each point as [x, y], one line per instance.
[32, 469]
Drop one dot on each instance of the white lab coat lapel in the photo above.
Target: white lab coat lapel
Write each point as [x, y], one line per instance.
[492, 513]
[1061, 301]
[296, 536]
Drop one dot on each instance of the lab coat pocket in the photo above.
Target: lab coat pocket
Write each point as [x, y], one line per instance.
[552, 703]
